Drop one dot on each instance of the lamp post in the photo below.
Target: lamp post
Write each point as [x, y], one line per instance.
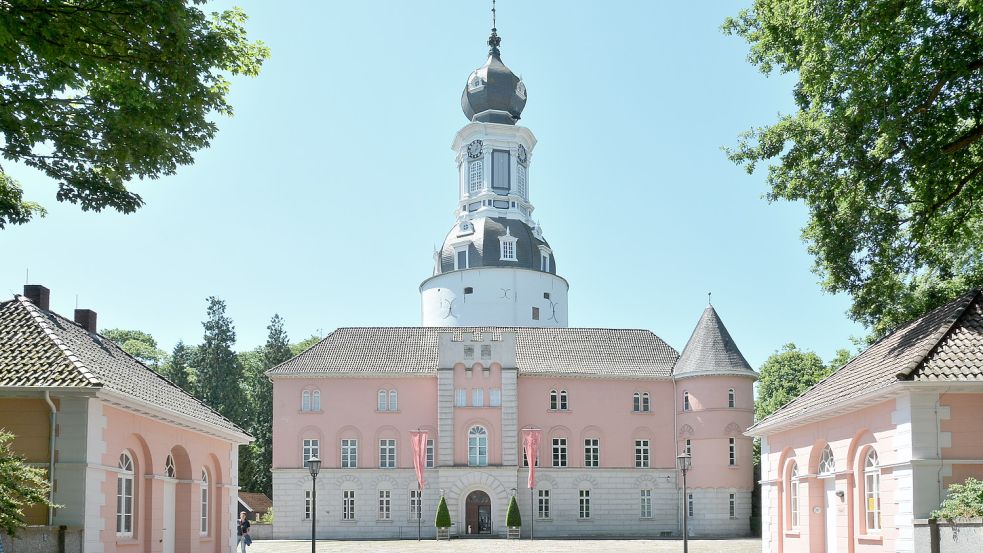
[314, 465]
[683, 463]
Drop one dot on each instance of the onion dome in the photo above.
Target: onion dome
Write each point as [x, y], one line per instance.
[493, 93]
[711, 351]
[483, 238]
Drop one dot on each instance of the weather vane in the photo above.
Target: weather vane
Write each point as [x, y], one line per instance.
[708, 298]
[493, 15]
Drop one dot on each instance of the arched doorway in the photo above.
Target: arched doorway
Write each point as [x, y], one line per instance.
[477, 513]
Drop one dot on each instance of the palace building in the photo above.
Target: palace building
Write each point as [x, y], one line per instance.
[495, 355]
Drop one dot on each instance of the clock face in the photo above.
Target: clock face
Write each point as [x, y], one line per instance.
[474, 149]
[523, 155]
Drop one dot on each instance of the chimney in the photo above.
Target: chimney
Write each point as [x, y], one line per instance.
[39, 295]
[86, 318]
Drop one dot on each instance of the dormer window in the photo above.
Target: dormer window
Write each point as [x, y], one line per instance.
[544, 259]
[461, 257]
[520, 90]
[475, 83]
[508, 246]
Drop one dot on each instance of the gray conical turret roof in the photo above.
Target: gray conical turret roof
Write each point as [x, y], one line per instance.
[711, 350]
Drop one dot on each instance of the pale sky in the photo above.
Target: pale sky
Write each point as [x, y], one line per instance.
[323, 197]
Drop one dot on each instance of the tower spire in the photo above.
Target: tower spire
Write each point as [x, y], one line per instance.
[494, 40]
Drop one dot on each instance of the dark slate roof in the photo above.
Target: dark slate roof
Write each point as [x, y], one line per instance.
[497, 91]
[945, 344]
[41, 349]
[484, 246]
[625, 353]
[711, 350]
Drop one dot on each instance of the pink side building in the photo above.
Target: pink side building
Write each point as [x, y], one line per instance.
[854, 463]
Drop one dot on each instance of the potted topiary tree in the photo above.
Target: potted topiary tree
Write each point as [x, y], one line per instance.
[443, 520]
[513, 520]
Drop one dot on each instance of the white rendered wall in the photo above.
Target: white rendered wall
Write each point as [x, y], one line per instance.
[502, 296]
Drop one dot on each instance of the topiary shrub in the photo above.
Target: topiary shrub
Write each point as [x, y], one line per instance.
[512, 517]
[443, 519]
[962, 501]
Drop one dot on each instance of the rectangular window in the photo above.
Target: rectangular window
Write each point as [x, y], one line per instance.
[349, 454]
[500, 171]
[460, 397]
[508, 250]
[689, 505]
[544, 504]
[645, 496]
[525, 460]
[475, 176]
[124, 504]
[430, 456]
[559, 452]
[460, 259]
[584, 503]
[641, 453]
[521, 184]
[688, 449]
[544, 263]
[469, 352]
[732, 452]
[486, 351]
[387, 454]
[478, 397]
[495, 397]
[348, 505]
[385, 505]
[592, 452]
[307, 505]
[312, 448]
[535, 313]
[733, 505]
[415, 501]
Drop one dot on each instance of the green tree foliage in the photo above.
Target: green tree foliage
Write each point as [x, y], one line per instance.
[96, 93]
[787, 373]
[962, 501]
[305, 343]
[220, 377]
[885, 147]
[512, 517]
[443, 519]
[139, 344]
[21, 485]
[178, 369]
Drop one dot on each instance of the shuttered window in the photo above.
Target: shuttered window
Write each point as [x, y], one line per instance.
[500, 171]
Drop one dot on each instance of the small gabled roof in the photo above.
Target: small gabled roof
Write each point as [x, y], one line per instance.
[944, 345]
[255, 502]
[41, 349]
[711, 350]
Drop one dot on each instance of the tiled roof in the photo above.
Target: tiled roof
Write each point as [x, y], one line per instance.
[945, 344]
[258, 502]
[549, 351]
[711, 350]
[40, 348]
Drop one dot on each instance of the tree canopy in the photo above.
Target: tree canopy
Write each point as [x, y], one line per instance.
[96, 93]
[139, 344]
[21, 486]
[789, 372]
[885, 147]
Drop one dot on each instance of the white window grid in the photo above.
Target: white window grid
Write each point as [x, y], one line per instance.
[393, 404]
[478, 446]
[387, 454]
[733, 505]
[508, 250]
[731, 398]
[349, 453]
[521, 182]
[686, 404]
[204, 503]
[385, 505]
[415, 503]
[827, 464]
[688, 448]
[732, 452]
[543, 508]
[348, 505]
[645, 499]
[307, 505]
[124, 496]
[872, 492]
[383, 402]
[169, 470]
[305, 401]
[460, 397]
[475, 176]
[312, 448]
[689, 505]
[559, 452]
[430, 454]
[793, 496]
[584, 503]
[642, 453]
[592, 452]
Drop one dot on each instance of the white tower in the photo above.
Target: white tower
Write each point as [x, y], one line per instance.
[494, 267]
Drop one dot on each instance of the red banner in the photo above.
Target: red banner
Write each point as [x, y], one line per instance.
[530, 442]
[419, 440]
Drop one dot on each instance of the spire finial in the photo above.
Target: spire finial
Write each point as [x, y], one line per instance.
[494, 40]
[709, 302]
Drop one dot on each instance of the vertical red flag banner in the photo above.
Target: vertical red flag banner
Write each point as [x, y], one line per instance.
[419, 440]
[530, 441]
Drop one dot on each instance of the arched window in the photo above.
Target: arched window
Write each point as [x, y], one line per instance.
[563, 400]
[827, 465]
[646, 405]
[383, 405]
[793, 496]
[169, 470]
[636, 402]
[305, 401]
[316, 400]
[686, 406]
[204, 502]
[554, 400]
[731, 398]
[393, 404]
[477, 446]
[124, 496]
[872, 491]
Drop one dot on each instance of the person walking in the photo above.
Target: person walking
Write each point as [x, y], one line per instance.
[242, 532]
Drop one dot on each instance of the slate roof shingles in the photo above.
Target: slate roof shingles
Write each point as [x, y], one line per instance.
[711, 350]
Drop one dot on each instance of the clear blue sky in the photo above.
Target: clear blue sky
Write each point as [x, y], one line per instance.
[322, 198]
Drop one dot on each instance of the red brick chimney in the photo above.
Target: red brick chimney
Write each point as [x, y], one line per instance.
[39, 295]
[86, 318]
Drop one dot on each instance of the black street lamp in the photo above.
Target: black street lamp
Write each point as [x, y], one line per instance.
[314, 465]
[683, 463]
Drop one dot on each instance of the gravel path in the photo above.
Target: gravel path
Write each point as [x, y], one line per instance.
[507, 546]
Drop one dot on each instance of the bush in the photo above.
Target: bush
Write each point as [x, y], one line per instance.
[267, 517]
[512, 517]
[21, 486]
[962, 501]
[443, 519]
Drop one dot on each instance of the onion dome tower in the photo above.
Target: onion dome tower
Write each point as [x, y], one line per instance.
[494, 267]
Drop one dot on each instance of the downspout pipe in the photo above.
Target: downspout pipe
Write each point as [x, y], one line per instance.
[51, 459]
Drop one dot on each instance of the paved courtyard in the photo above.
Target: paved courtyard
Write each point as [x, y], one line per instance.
[505, 546]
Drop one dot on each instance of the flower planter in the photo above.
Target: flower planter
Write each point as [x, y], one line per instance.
[443, 533]
[513, 533]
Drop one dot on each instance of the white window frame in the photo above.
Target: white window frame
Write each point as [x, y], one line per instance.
[387, 453]
[793, 496]
[348, 505]
[645, 503]
[686, 404]
[393, 400]
[646, 402]
[383, 400]
[554, 400]
[731, 398]
[305, 401]
[316, 400]
[564, 401]
[827, 463]
[636, 402]
[592, 452]
[477, 446]
[416, 504]
[385, 505]
[508, 246]
[872, 492]
[732, 452]
[495, 397]
[477, 397]
[733, 505]
[688, 448]
[522, 181]
[476, 176]
[560, 458]
[311, 448]
[430, 454]
[307, 504]
[125, 483]
[169, 470]
[349, 453]
[584, 504]
[460, 397]
[467, 261]
[203, 530]
[643, 454]
[689, 505]
[543, 505]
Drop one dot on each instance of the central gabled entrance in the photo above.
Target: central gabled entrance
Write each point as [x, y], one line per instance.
[477, 513]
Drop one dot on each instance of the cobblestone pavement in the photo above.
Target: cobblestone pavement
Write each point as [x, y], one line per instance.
[506, 546]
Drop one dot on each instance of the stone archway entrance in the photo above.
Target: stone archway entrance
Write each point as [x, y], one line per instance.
[477, 513]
